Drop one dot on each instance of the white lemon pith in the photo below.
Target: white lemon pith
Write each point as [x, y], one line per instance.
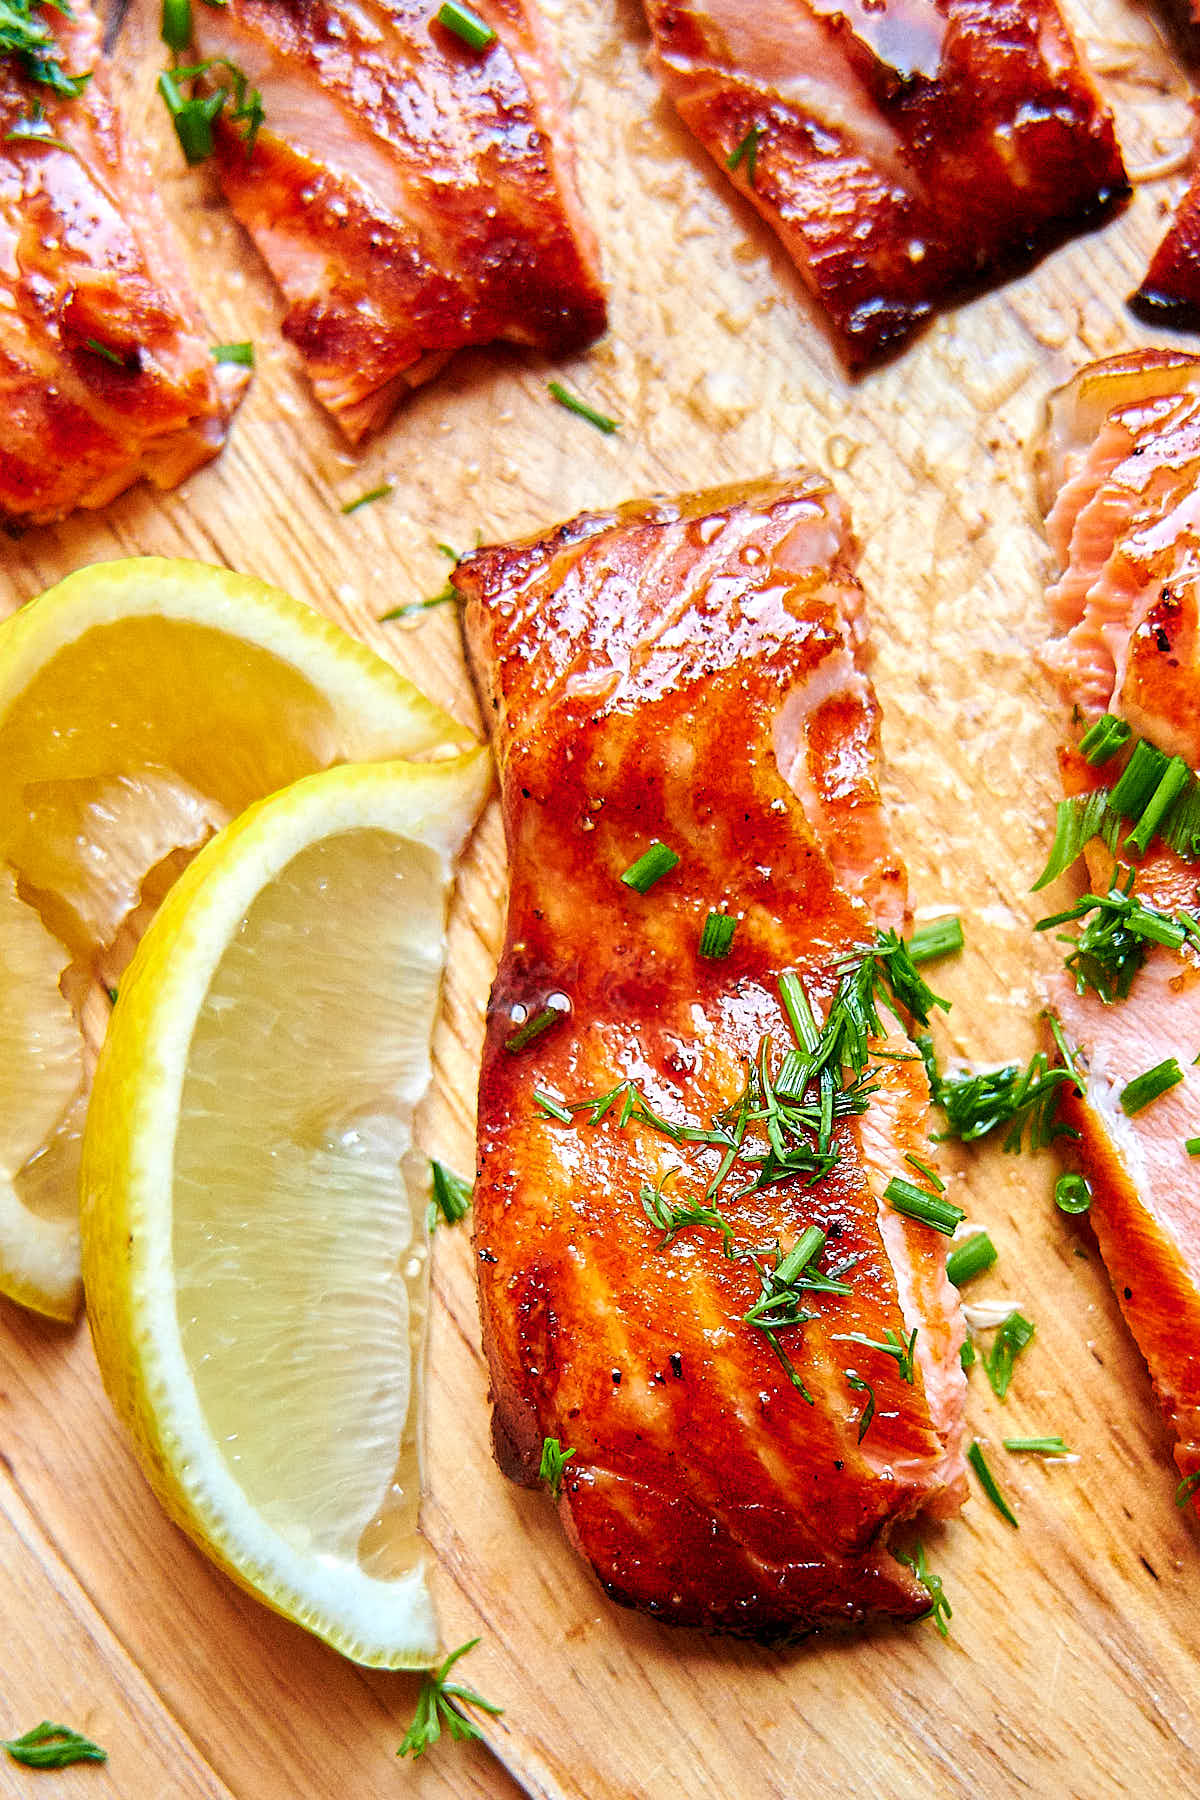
[254, 1245]
[143, 704]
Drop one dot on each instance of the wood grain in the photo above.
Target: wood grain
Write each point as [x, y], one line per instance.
[1072, 1668]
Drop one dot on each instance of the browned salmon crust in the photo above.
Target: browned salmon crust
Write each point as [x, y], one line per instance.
[903, 150]
[106, 372]
[410, 195]
[688, 671]
[1123, 465]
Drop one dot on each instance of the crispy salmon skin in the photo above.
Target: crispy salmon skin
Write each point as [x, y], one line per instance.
[409, 194]
[1121, 468]
[901, 149]
[106, 372]
[688, 672]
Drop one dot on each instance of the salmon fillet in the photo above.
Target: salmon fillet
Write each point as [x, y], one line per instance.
[1169, 295]
[106, 372]
[902, 149]
[1123, 460]
[408, 194]
[688, 671]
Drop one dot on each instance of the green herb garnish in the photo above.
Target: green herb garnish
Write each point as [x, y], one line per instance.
[35, 128]
[970, 1258]
[534, 1026]
[904, 1353]
[1012, 1337]
[1192, 1146]
[193, 117]
[440, 1702]
[1022, 1100]
[1187, 1488]
[105, 352]
[650, 867]
[475, 32]
[554, 1462]
[855, 1380]
[582, 410]
[1112, 947]
[1148, 1086]
[747, 152]
[50, 1746]
[716, 940]
[451, 1197]
[382, 492]
[988, 1483]
[25, 34]
[176, 28]
[930, 1209]
[1108, 735]
[944, 937]
[1072, 1194]
[1043, 1446]
[242, 354]
[671, 1220]
[940, 1609]
[1160, 794]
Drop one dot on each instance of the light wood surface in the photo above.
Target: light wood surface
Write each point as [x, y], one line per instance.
[1074, 1661]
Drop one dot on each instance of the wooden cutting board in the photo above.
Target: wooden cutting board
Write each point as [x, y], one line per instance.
[1074, 1660]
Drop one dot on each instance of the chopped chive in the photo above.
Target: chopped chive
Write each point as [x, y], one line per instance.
[792, 1078]
[798, 1010]
[574, 404]
[1137, 782]
[930, 1175]
[716, 939]
[98, 349]
[907, 1198]
[1108, 735]
[554, 1462]
[466, 24]
[944, 937]
[551, 1107]
[650, 867]
[1043, 1446]
[1174, 779]
[967, 1355]
[970, 1258]
[807, 1246]
[904, 1353]
[50, 1746]
[534, 1027]
[242, 354]
[176, 28]
[1014, 1336]
[376, 493]
[1077, 822]
[1192, 1146]
[987, 1482]
[747, 152]
[451, 1198]
[1144, 1088]
[860, 1386]
[1072, 1194]
[1187, 1488]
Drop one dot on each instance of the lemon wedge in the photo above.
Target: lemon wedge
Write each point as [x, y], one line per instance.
[143, 704]
[255, 1256]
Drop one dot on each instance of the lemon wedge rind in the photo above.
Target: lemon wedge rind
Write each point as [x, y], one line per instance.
[129, 1160]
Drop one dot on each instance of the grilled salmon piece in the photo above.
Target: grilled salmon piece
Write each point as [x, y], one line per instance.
[1123, 457]
[688, 671]
[408, 194]
[1169, 295]
[106, 373]
[901, 149]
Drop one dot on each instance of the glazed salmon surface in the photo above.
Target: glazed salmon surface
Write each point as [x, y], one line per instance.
[410, 195]
[106, 371]
[903, 149]
[688, 671]
[1124, 457]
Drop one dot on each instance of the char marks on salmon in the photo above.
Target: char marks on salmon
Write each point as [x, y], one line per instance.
[409, 194]
[106, 371]
[1122, 468]
[688, 672]
[903, 150]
